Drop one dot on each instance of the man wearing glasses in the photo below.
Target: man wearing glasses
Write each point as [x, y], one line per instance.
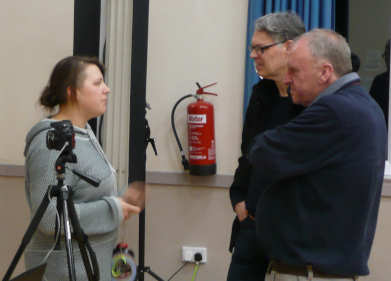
[270, 105]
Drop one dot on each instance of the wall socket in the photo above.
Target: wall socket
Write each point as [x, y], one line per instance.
[189, 252]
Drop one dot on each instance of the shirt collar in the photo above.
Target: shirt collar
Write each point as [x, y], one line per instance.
[338, 84]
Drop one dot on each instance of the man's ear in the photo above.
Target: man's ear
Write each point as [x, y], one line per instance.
[326, 73]
[289, 46]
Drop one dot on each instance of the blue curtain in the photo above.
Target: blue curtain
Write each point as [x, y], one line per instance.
[315, 14]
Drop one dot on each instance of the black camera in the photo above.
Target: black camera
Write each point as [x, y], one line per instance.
[62, 137]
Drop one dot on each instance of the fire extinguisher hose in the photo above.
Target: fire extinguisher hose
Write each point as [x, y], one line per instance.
[185, 162]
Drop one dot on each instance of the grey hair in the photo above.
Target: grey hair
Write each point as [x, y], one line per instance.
[281, 26]
[326, 45]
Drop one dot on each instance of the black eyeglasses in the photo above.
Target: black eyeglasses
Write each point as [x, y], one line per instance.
[261, 50]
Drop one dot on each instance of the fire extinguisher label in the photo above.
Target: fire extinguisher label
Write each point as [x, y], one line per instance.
[196, 118]
[212, 151]
[198, 157]
[211, 154]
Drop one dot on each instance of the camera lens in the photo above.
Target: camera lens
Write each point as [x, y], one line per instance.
[51, 140]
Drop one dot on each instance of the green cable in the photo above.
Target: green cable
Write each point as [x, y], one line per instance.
[195, 272]
[115, 271]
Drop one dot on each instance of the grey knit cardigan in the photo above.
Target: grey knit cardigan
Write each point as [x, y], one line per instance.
[98, 209]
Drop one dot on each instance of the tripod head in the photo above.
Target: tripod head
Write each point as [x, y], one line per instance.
[62, 138]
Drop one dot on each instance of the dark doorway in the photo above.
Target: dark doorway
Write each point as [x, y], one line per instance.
[86, 33]
[342, 18]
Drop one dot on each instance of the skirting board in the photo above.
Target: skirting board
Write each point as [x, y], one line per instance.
[171, 178]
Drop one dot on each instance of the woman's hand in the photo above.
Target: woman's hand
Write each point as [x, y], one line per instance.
[135, 194]
[128, 209]
[241, 211]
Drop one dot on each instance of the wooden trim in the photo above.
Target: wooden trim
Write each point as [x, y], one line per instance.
[11, 170]
[171, 178]
[160, 178]
[188, 180]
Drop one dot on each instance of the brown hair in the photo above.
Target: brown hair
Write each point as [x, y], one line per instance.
[68, 72]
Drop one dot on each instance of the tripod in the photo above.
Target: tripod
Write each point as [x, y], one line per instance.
[66, 207]
[141, 267]
[138, 125]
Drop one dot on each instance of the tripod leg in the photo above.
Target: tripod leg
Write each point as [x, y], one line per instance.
[141, 247]
[142, 268]
[64, 192]
[82, 241]
[153, 274]
[28, 235]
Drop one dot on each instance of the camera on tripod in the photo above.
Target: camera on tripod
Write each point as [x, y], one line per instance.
[61, 135]
[62, 138]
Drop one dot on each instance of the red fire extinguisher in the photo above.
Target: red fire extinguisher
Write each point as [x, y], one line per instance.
[201, 134]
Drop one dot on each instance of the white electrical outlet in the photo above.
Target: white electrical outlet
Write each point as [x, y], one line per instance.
[189, 252]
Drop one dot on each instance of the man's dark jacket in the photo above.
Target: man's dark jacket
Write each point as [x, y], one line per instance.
[328, 166]
[263, 99]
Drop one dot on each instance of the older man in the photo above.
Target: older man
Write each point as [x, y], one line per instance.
[317, 219]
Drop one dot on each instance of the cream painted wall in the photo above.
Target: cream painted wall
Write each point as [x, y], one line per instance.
[175, 217]
[184, 48]
[34, 35]
[14, 220]
[198, 41]
[192, 41]
[195, 41]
